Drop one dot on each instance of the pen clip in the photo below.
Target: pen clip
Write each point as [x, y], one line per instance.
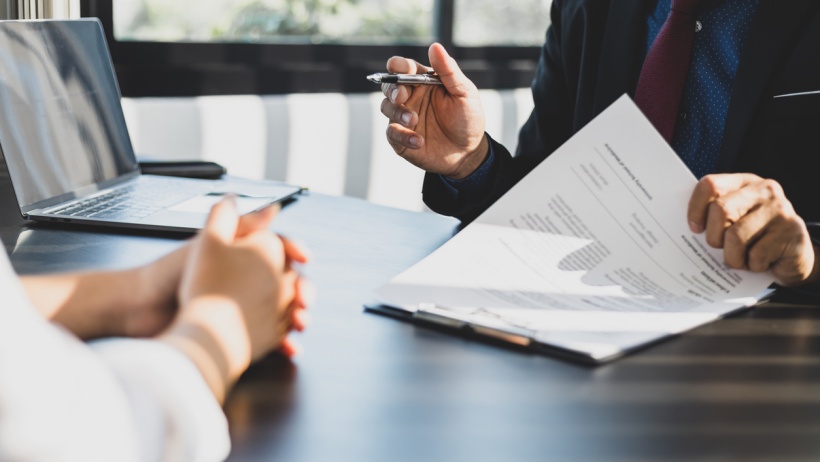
[432, 313]
[488, 326]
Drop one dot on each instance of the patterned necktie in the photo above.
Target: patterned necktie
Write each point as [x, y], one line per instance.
[660, 86]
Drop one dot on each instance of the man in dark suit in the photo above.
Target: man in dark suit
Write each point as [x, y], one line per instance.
[750, 104]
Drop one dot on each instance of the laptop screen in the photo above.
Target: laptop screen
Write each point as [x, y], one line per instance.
[62, 130]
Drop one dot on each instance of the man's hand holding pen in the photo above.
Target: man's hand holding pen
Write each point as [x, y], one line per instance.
[438, 128]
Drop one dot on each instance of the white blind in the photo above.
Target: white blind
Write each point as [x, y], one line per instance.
[48, 9]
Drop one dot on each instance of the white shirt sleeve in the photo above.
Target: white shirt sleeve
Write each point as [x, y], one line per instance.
[124, 400]
[176, 414]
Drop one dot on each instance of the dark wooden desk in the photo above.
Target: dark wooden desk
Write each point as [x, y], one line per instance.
[370, 388]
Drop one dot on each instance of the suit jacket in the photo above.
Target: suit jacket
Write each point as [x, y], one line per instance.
[593, 54]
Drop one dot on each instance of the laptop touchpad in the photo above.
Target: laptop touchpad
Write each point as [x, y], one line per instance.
[203, 204]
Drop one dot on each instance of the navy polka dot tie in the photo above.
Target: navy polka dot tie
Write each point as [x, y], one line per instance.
[663, 75]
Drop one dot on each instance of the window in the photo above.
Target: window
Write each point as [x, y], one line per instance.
[275, 21]
[480, 23]
[196, 47]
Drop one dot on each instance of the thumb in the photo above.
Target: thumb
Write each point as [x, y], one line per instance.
[223, 220]
[256, 221]
[456, 83]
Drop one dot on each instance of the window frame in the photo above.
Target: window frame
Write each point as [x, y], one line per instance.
[146, 69]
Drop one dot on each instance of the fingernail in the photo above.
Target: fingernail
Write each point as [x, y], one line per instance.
[231, 200]
[695, 227]
[405, 118]
[394, 94]
[415, 141]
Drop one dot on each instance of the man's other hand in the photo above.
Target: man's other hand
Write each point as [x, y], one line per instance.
[754, 223]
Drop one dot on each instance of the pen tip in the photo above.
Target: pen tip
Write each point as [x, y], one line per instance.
[375, 78]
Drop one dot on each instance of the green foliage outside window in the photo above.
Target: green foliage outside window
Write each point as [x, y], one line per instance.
[275, 21]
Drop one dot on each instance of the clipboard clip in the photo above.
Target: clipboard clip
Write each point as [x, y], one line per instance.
[488, 325]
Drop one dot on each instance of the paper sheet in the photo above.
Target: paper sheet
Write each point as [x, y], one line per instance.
[590, 252]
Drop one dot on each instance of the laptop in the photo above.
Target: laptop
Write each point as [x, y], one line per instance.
[64, 139]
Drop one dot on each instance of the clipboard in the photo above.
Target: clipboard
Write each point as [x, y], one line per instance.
[431, 316]
[428, 315]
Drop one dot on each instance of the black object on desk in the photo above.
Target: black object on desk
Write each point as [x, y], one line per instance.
[188, 169]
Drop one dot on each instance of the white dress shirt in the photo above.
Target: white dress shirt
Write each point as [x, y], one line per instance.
[117, 399]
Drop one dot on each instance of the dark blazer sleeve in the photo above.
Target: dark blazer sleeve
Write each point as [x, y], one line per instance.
[548, 126]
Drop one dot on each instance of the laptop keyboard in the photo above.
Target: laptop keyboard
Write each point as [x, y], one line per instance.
[133, 201]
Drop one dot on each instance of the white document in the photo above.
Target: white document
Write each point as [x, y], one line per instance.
[590, 252]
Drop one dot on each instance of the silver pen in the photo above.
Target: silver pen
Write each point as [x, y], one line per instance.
[405, 79]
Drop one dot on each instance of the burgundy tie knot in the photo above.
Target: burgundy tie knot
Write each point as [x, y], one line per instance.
[660, 86]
